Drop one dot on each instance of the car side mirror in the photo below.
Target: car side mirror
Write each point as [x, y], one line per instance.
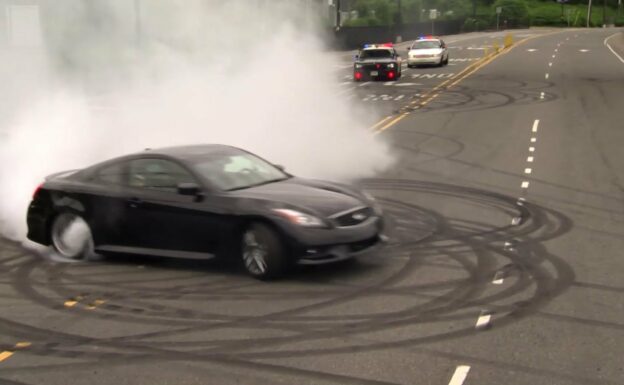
[189, 189]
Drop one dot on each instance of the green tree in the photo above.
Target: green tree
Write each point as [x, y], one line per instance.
[515, 12]
[412, 10]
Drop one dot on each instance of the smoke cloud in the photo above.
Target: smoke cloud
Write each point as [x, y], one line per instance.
[110, 78]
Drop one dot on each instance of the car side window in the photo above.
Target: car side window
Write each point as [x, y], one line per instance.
[158, 174]
[115, 174]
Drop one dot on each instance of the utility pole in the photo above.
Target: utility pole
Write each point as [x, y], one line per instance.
[604, 13]
[338, 22]
[399, 13]
[589, 4]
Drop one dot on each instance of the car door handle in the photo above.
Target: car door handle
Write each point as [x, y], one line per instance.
[134, 202]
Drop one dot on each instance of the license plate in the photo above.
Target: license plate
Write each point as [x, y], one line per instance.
[374, 73]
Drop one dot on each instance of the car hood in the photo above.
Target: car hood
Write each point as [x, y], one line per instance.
[428, 51]
[302, 194]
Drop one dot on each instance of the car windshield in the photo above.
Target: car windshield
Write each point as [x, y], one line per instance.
[238, 170]
[426, 44]
[376, 53]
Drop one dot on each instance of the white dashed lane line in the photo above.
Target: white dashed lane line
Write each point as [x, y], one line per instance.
[525, 184]
[530, 159]
[483, 321]
[547, 76]
[461, 372]
[535, 125]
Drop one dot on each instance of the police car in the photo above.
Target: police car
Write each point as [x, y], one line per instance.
[377, 62]
[427, 50]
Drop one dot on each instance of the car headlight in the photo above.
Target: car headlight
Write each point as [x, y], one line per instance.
[358, 66]
[391, 65]
[299, 218]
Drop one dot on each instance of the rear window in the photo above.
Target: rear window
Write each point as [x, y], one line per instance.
[376, 53]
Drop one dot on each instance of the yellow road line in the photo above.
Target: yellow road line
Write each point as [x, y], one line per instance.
[392, 123]
[4, 355]
[70, 303]
[381, 122]
[21, 345]
[472, 68]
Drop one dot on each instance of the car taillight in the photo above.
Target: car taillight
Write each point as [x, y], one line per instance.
[358, 75]
[391, 74]
[37, 190]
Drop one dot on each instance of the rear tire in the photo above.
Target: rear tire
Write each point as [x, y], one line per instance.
[71, 236]
[263, 252]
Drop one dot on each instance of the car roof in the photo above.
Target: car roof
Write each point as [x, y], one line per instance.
[190, 151]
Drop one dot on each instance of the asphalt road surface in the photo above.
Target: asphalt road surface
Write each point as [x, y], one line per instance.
[506, 261]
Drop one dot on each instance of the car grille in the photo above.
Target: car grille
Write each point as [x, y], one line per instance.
[354, 217]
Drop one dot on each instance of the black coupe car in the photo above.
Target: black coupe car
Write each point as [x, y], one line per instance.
[200, 202]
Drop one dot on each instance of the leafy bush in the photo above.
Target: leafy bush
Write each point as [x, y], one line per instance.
[516, 12]
[475, 25]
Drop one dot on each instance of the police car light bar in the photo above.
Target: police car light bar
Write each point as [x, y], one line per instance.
[385, 45]
[426, 37]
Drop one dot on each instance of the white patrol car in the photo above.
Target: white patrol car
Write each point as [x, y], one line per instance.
[427, 50]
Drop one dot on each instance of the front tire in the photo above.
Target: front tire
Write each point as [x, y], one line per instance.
[71, 236]
[263, 252]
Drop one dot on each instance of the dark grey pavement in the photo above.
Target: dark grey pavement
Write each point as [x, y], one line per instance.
[506, 261]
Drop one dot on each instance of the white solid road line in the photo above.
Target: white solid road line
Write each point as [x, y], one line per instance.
[461, 372]
[612, 50]
[535, 125]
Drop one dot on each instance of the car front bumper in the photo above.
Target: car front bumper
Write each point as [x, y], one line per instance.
[424, 60]
[313, 246]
